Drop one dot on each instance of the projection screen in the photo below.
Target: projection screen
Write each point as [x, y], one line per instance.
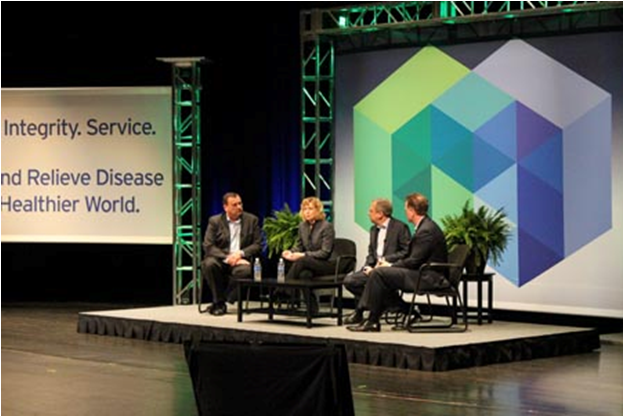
[533, 126]
[87, 165]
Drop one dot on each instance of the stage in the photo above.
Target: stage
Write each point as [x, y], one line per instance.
[498, 342]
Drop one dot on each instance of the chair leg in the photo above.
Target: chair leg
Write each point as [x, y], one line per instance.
[463, 313]
[248, 297]
[429, 316]
[452, 325]
[405, 322]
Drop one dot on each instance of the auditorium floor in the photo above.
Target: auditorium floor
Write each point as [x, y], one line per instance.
[48, 368]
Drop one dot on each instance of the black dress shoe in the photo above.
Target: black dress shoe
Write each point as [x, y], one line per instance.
[218, 309]
[355, 318]
[366, 326]
[414, 318]
[398, 309]
[399, 313]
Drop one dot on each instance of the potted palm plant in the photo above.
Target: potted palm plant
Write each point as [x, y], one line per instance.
[280, 230]
[485, 231]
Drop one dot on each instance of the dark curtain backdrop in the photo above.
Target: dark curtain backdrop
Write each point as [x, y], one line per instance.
[250, 122]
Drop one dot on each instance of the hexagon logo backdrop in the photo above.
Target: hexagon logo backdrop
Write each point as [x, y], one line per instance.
[519, 131]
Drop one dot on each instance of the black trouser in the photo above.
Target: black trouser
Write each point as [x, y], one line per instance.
[355, 283]
[221, 278]
[309, 267]
[383, 285]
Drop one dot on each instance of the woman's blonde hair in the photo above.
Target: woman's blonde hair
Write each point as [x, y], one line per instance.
[315, 203]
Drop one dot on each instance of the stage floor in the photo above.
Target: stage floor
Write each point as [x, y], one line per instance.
[497, 342]
[50, 369]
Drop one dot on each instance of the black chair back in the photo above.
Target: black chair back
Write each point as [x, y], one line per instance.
[344, 253]
[457, 256]
[454, 269]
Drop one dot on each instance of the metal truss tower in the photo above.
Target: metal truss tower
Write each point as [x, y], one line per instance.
[317, 117]
[187, 251]
[326, 32]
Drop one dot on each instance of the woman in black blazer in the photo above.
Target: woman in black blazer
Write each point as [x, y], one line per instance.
[310, 256]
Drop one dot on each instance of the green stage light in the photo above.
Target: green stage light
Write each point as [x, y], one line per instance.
[342, 21]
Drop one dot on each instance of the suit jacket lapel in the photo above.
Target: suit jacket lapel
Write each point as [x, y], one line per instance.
[421, 225]
[415, 235]
[309, 233]
[374, 237]
[389, 236]
[226, 226]
[243, 231]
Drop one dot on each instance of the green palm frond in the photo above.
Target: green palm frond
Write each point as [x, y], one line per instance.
[487, 232]
[281, 230]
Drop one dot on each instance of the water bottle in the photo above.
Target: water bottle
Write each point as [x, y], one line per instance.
[281, 268]
[257, 270]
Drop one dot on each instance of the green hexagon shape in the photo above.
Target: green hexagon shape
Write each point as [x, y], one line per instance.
[385, 124]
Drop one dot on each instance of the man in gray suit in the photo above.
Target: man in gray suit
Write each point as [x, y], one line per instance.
[231, 242]
[389, 241]
[428, 244]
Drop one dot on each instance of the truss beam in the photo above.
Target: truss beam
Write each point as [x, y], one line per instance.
[186, 83]
[325, 32]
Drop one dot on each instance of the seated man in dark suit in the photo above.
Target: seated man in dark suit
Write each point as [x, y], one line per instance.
[428, 244]
[389, 241]
[231, 242]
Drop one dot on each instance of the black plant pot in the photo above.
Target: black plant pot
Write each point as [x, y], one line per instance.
[472, 267]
